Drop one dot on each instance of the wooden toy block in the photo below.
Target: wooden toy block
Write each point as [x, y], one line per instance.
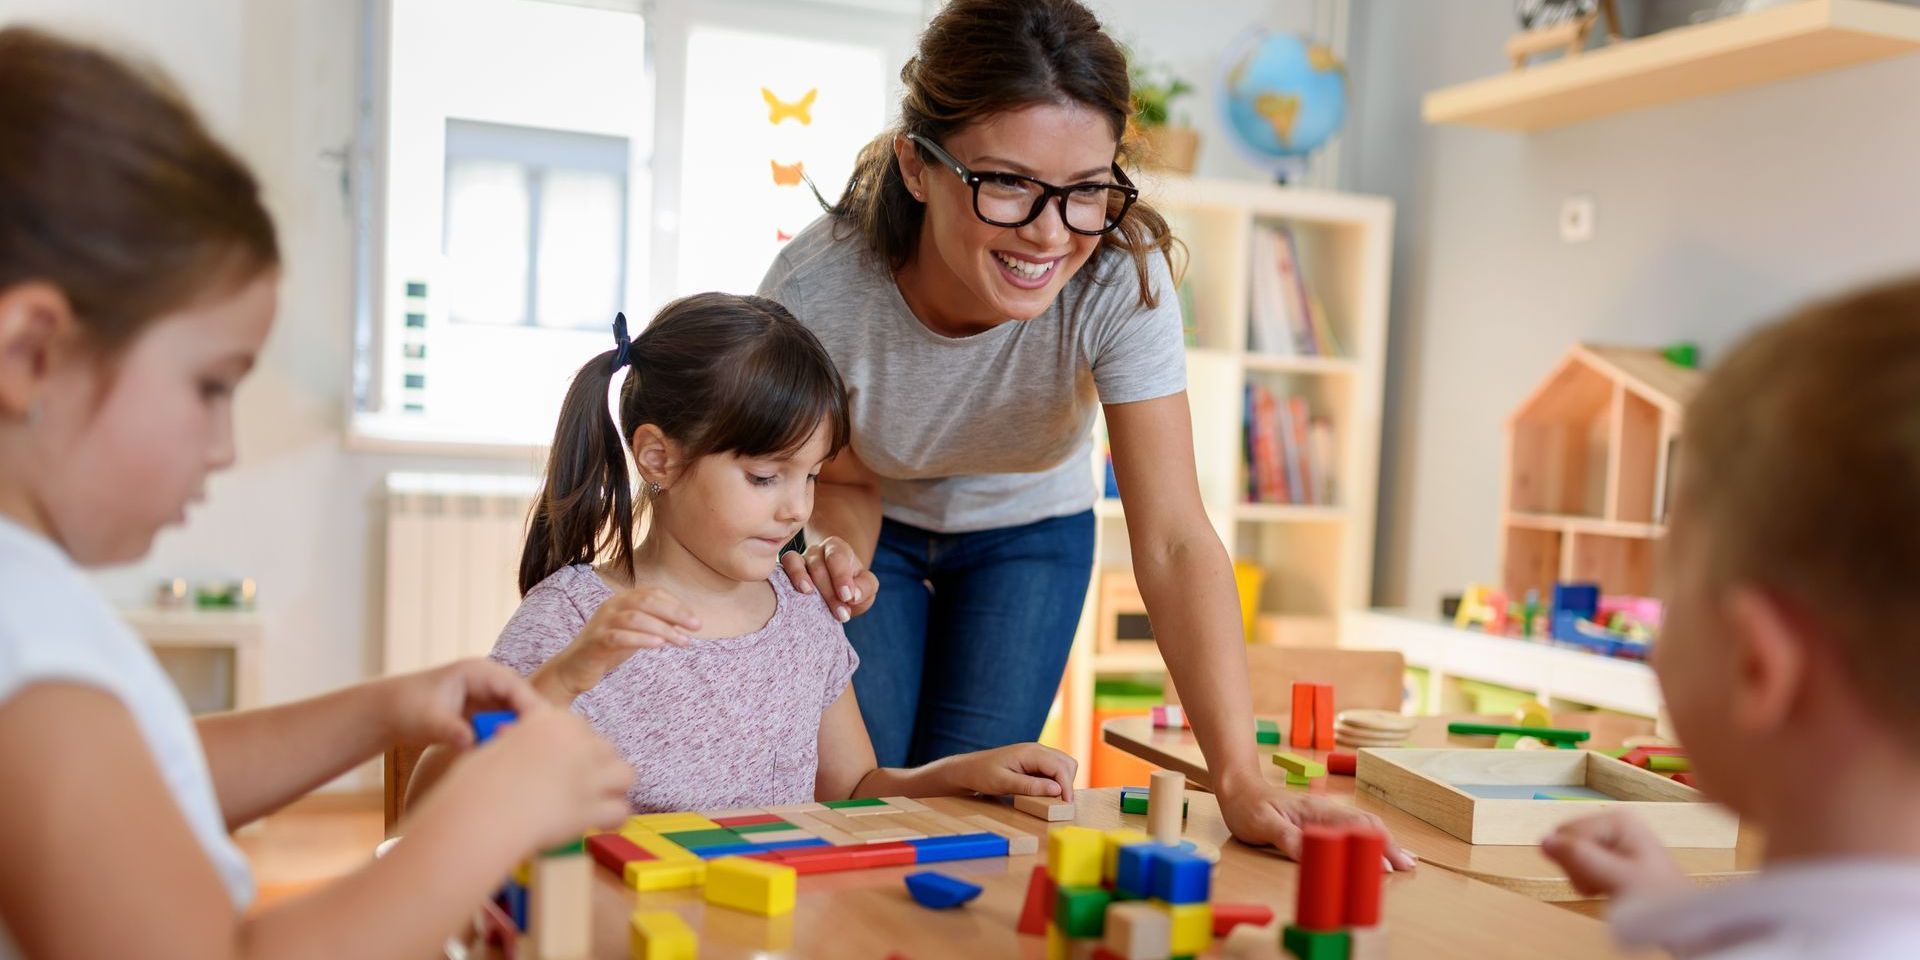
[776, 836]
[945, 823]
[966, 847]
[1133, 803]
[888, 835]
[1169, 716]
[787, 808]
[937, 891]
[1036, 915]
[1050, 809]
[1296, 780]
[1180, 877]
[750, 823]
[1322, 882]
[1266, 732]
[1226, 916]
[1342, 764]
[523, 873]
[614, 852]
[1019, 842]
[662, 848]
[1302, 734]
[671, 822]
[908, 804]
[1366, 856]
[515, 895]
[1191, 926]
[820, 828]
[1081, 912]
[1306, 944]
[1252, 943]
[855, 803]
[1549, 734]
[1074, 855]
[1166, 805]
[918, 823]
[1102, 953]
[560, 907]
[649, 875]
[488, 722]
[1133, 870]
[661, 935]
[1057, 943]
[1660, 763]
[696, 839]
[1685, 780]
[754, 886]
[1367, 943]
[772, 846]
[1139, 931]
[1110, 852]
[1295, 763]
[1323, 716]
[1506, 741]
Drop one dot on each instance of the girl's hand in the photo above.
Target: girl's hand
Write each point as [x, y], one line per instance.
[1027, 769]
[643, 618]
[831, 569]
[1613, 854]
[1263, 813]
[546, 778]
[432, 706]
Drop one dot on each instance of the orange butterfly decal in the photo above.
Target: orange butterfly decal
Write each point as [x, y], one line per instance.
[787, 175]
[778, 109]
[781, 235]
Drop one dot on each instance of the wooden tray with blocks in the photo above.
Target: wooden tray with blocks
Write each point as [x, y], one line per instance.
[1517, 797]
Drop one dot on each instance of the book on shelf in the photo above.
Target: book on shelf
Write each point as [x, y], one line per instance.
[1289, 450]
[1287, 317]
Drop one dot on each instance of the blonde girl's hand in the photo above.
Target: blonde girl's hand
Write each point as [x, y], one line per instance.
[547, 777]
[831, 569]
[433, 706]
[1612, 854]
[1022, 769]
[642, 618]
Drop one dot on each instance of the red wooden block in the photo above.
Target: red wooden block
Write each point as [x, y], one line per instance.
[749, 820]
[1038, 911]
[1322, 879]
[1366, 855]
[1343, 764]
[614, 852]
[1226, 916]
[835, 859]
[1323, 716]
[1685, 780]
[1102, 953]
[1302, 735]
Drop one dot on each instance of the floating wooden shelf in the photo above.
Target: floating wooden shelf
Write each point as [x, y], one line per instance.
[1288, 513]
[1262, 363]
[1683, 63]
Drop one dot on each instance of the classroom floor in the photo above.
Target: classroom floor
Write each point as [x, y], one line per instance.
[310, 842]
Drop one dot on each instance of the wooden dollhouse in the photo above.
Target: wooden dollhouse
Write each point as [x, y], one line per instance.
[1589, 463]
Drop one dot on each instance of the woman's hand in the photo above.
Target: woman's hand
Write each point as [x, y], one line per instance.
[432, 706]
[1025, 769]
[1613, 854]
[643, 618]
[831, 569]
[1264, 813]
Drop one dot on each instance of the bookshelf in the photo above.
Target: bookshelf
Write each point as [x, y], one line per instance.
[1317, 557]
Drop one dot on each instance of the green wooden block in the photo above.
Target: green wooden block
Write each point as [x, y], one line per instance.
[1266, 731]
[695, 839]
[855, 802]
[1296, 780]
[763, 827]
[1081, 912]
[1549, 734]
[1132, 804]
[1315, 945]
[1507, 741]
[1297, 764]
[566, 849]
[1663, 763]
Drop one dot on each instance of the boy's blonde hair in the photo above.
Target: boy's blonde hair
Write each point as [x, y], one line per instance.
[1800, 474]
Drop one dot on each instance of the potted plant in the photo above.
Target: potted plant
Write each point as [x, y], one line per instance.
[1170, 146]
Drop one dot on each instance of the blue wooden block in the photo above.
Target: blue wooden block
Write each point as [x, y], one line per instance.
[937, 891]
[792, 844]
[486, 724]
[1181, 877]
[1133, 873]
[729, 850]
[517, 905]
[966, 846]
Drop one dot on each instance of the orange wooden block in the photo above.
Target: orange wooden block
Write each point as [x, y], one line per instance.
[1323, 716]
[1302, 735]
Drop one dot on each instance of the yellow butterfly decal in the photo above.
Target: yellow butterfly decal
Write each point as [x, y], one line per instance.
[778, 109]
[787, 174]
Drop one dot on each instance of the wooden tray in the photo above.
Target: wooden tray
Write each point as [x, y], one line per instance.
[1461, 792]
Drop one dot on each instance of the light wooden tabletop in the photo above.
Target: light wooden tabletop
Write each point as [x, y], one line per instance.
[1430, 914]
[1523, 870]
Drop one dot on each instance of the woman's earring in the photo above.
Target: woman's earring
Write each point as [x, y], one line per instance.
[653, 488]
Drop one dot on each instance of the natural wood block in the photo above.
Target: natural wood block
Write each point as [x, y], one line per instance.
[560, 907]
[1252, 943]
[1165, 797]
[1427, 784]
[1050, 809]
[1019, 842]
[1367, 943]
[1137, 930]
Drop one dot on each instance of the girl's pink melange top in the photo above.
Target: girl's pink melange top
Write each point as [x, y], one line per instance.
[724, 723]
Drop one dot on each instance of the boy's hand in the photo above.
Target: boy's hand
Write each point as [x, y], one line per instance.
[1027, 769]
[831, 569]
[432, 706]
[643, 618]
[1612, 854]
[546, 777]
[1263, 813]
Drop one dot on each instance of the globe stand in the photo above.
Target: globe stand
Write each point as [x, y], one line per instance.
[1287, 170]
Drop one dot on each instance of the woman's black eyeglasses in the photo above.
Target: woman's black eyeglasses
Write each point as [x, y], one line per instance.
[1013, 200]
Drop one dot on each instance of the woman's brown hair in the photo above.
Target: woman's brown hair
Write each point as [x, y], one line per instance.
[113, 191]
[978, 58]
[717, 373]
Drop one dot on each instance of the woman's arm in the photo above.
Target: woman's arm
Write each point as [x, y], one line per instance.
[841, 537]
[1187, 582]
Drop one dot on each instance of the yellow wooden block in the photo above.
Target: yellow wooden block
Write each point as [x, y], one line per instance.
[1192, 926]
[523, 873]
[1074, 856]
[662, 935]
[664, 849]
[1056, 943]
[671, 822]
[1115, 839]
[755, 886]
[645, 875]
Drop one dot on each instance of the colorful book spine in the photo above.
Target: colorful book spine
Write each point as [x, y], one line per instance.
[1301, 466]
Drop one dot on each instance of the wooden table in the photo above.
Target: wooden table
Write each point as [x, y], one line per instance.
[1523, 870]
[1431, 914]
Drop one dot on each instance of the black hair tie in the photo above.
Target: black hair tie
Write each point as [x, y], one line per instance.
[623, 345]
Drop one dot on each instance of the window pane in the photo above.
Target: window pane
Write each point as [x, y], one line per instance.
[486, 242]
[582, 248]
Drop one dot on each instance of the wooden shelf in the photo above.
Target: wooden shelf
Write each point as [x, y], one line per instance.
[1262, 363]
[1572, 524]
[1683, 63]
[1287, 513]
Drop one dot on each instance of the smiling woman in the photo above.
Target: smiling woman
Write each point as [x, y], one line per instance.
[986, 284]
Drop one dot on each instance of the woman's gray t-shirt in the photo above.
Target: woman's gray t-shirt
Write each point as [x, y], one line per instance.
[995, 429]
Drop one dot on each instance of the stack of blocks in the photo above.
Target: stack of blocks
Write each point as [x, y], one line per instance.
[1300, 770]
[1338, 912]
[1169, 716]
[1312, 716]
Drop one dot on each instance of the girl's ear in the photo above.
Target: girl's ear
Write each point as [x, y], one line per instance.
[1770, 662]
[912, 169]
[657, 455]
[34, 319]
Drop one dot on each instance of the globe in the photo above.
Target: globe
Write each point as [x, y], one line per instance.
[1282, 98]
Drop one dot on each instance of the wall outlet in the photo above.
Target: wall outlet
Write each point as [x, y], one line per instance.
[1576, 219]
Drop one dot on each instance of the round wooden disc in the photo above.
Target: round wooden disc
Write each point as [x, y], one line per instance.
[1355, 738]
[1380, 721]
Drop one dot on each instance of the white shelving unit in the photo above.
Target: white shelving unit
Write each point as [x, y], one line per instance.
[1318, 559]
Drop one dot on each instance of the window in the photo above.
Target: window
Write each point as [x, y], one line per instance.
[530, 167]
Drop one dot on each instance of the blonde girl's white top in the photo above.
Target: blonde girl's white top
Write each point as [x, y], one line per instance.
[55, 627]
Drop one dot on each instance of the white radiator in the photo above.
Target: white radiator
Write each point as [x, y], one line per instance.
[453, 561]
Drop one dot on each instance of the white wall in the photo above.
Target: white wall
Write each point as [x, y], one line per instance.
[1712, 215]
